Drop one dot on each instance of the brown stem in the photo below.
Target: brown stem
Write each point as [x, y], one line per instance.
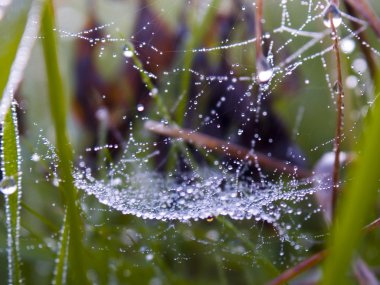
[339, 122]
[299, 268]
[313, 260]
[374, 225]
[226, 148]
[259, 31]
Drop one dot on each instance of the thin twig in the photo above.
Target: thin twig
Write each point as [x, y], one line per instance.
[259, 31]
[372, 226]
[313, 260]
[299, 268]
[339, 105]
[226, 148]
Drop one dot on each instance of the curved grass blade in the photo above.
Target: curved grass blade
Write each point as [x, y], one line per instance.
[357, 201]
[11, 188]
[73, 226]
[14, 55]
[14, 21]
[15, 52]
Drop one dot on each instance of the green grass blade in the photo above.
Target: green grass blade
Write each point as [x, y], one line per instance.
[76, 270]
[198, 34]
[149, 84]
[11, 30]
[11, 172]
[60, 270]
[15, 53]
[357, 202]
[263, 261]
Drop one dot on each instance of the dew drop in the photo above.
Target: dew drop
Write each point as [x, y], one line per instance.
[332, 11]
[264, 70]
[127, 52]
[149, 257]
[102, 114]
[336, 87]
[8, 185]
[35, 157]
[140, 107]
[351, 81]
[347, 45]
[210, 219]
[359, 65]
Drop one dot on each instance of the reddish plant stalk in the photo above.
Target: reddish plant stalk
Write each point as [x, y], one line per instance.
[313, 260]
[227, 148]
[339, 122]
[299, 268]
[372, 226]
[259, 30]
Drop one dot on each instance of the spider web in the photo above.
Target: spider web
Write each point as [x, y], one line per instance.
[162, 178]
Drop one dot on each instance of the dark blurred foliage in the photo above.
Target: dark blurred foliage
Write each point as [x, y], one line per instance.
[268, 134]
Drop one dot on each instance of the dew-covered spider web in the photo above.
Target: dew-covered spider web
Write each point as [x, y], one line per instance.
[180, 126]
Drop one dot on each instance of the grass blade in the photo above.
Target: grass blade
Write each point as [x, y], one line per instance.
[60, 270]
[73, 225]
[356, 204]
[14, 21]
[14, 55]
[198, 33]
[11, 188]
[12, 71]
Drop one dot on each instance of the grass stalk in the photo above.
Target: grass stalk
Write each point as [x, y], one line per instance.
[226, 148]
[76, 270]
[259, 31]
[339, 106]
[11, 172]
[198, 32]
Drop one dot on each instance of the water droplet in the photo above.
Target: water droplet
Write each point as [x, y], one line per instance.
[347, 45]
[359, 65]
[127, 52]
[149, 257]
[336, 87]
[35, 157]
[210, 219]
[351, 81]
[102, 114]
[153, 92]
[332, 11]
[8, 185]
[140, 107]
[264, 70]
